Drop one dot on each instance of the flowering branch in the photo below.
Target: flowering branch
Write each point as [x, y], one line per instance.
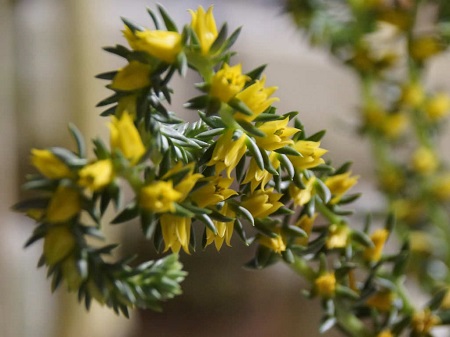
[240, 165]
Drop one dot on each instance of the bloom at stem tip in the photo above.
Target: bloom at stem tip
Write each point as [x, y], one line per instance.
[325, 285]
[228, 152]
[135, 75]
[277, 244]
[204, 26]
[227, 82]
[64, 204]
[125, 137]
[256, 98]
[49, 164]
[164, 45]
[159, 197]
[224, 229]
[176, 231]
[97, 175]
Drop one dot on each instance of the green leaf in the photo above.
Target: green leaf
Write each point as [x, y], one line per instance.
[68, 157]
[220, 39]
[327, 323]
[239, 229]
[128, 213]
[290, 115]
[349, 198]
[118, 50]
[267, 117]
[250, 128]
[257, 72]
[209, 134]
[295, 231]
[33, 203]
[323, 191]
[170, 24]
[107, 76]
[220, 217]
[290, 151]
[240, 106]
[79, 140]
[148, 223]
[243, 212]
[231, 40]
[207, 221]
[182, 64]
[267, 164]
[317, 136]
[344, 168]
[182, 211]
[133, 27]
[255, 152]
[287, 165]
[154, 18]
[196, 210]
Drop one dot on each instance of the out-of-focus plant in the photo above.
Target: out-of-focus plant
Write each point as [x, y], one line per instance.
[389, 45]
[241, 166]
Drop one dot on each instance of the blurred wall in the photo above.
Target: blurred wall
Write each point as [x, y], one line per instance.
[51, 50]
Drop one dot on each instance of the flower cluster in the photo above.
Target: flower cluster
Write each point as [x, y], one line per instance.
[389, 45]
[241, 165]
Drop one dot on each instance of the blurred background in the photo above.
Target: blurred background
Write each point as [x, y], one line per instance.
[50, 52]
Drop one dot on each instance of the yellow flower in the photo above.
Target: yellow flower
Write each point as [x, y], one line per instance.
[125, 137]
[310, 155]
[392, 179]
[420, 242]
[394, 125]
[306, 223]
[257, 98]
[227, 82]
[423, 321]
[382, 301]
[262, 203]
[410, 211]
[424, 160]
[214, 191]
[49, 165]
[438, 106]
[441, 187]
[185, 186]
[337, 236]
[378, 238]
[176, 232]
[161, 44]
[302, 196]
[256, 176]
[339, 184]
[96, 175]
[385, 333]
[228, 152]
[59, 242]
[412, 94]
[276, 244]
[204, 26]
[277, 135]
[134, 76]
[159, 197]
[127, 104]
[424, 47]
[64, 204]
[325, 285]
[224, 229]
[374, 114]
